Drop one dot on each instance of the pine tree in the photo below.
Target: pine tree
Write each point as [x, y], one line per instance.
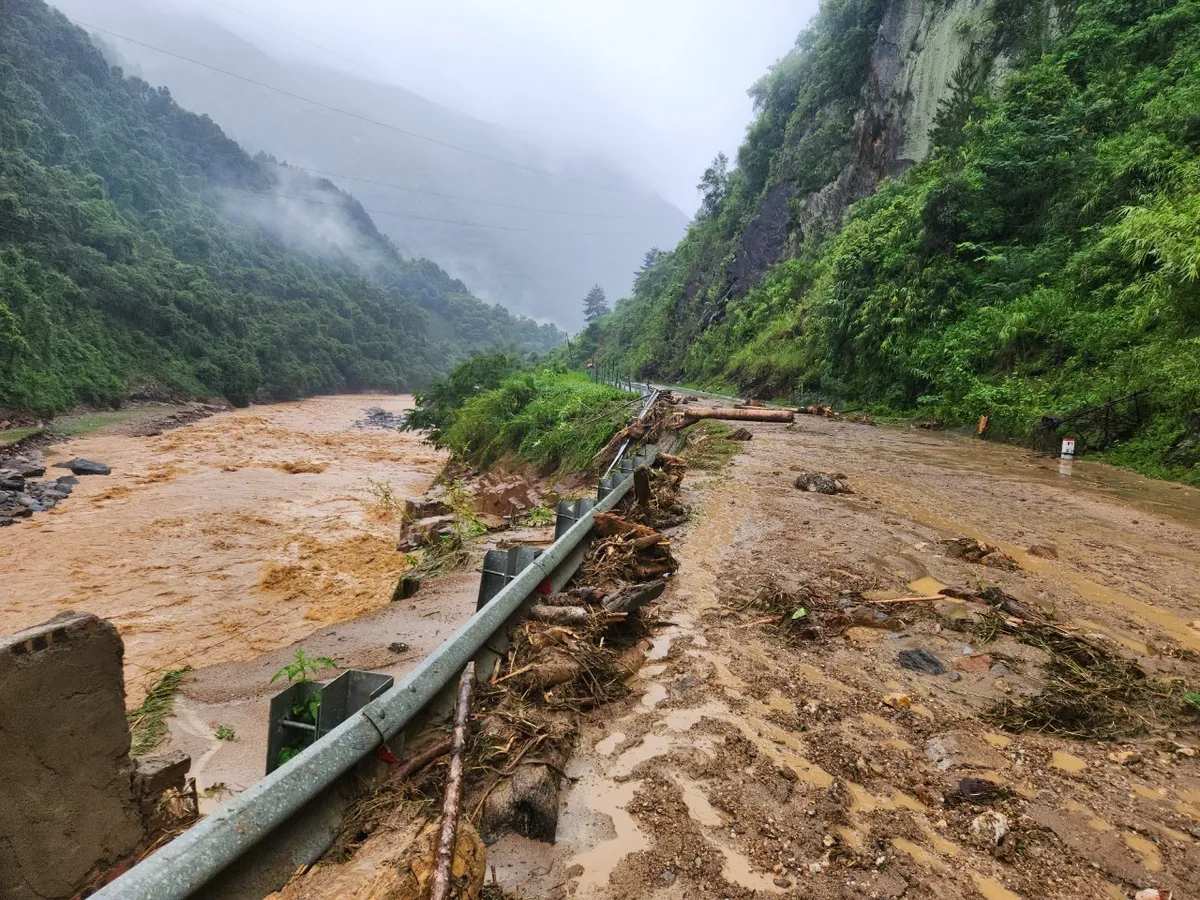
[595, 306]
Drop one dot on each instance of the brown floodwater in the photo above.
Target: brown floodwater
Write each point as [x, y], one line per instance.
[224, 539]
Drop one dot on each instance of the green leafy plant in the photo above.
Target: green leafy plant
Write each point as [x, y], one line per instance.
[225, 733]
[538, 517]
[1193, 697]
[302, 667]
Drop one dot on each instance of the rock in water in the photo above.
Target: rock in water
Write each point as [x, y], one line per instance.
[81, 466]
[11, 481]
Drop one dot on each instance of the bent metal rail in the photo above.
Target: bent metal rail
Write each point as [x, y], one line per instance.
[185, 865]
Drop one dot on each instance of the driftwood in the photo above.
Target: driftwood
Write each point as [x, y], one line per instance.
[610, 525]
[446, 842]
[561, 615]
[648, 541]
[641, 487]
[741, 415]
[421, 760]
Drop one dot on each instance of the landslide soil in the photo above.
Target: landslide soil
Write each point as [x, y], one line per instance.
[225, 539]
[750, 765]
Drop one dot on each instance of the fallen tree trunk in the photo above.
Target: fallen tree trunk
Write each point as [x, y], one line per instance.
[740, 415]
[449, 830]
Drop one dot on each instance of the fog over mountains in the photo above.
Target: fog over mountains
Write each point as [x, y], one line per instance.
[549, 238]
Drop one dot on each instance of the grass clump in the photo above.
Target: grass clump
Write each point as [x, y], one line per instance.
[148, 722]
[10, 436]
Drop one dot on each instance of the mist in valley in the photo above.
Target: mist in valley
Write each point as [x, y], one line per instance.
[532, 149]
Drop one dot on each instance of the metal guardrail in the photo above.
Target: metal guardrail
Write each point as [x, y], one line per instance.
[185, 865]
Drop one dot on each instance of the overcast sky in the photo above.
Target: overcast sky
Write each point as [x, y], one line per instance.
[660, 85]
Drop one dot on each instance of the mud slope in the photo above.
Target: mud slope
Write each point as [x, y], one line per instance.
[762, 760]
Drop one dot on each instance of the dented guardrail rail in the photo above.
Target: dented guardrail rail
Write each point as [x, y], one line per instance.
[190, 861]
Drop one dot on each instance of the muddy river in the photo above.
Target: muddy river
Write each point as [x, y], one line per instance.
[218, 541]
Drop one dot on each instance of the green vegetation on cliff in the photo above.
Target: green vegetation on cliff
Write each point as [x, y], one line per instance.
[1044, 257]
[142, 249]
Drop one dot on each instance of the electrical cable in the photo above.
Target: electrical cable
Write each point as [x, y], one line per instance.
[354, 115]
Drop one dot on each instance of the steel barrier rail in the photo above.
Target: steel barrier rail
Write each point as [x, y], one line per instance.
[187, 863]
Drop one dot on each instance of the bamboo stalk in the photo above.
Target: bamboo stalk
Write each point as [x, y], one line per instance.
[450, 808]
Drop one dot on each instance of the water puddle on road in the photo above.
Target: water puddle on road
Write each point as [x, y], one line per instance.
[1068, 762]
[991, 889]
[601, 796]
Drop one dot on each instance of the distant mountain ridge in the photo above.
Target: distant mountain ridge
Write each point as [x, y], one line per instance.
[140, 247]
[535, 263]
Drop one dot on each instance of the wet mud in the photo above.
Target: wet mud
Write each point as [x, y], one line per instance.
[745, 765]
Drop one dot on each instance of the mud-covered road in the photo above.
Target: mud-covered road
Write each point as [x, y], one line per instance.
[758, 761]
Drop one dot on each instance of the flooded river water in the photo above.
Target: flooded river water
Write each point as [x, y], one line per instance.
[221, 540]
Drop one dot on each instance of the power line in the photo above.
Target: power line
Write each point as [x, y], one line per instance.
[354, 115]
[342, 56]
[387, 212]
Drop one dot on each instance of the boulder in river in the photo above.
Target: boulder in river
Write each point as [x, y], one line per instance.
[81, 466]
[11, 480]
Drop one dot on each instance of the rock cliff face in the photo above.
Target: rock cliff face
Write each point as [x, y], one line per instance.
[923, 52]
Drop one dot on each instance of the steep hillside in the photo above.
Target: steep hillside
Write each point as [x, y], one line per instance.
[957, 209]
[142, 248]
[536, 263]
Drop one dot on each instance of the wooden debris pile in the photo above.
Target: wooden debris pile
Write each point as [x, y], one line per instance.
[808, 616]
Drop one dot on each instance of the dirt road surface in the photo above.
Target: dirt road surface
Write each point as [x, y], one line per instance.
[754, 761]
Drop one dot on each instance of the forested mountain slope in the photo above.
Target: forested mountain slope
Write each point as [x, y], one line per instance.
[141, 247]
[956, 209]
[536, 263]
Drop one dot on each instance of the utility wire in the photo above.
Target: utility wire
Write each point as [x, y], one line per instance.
[363, 64]
[354, 115]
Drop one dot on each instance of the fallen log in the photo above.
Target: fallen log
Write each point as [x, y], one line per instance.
[648, 541]
[740, 415]
[610, 525]
[446, 842]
